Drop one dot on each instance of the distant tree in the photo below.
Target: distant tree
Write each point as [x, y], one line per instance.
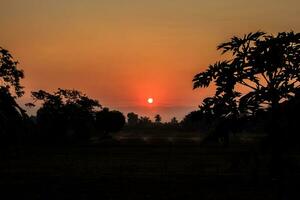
[132, 118]
[145, 122]
[174, 121]
[11, 114]
[65, 115]
[145, 119]
[157, 118]
[109, 121]
[172, 125]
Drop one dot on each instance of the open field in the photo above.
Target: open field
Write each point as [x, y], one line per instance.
[146, 169]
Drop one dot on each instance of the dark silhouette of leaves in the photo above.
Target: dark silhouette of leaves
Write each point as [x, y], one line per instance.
[267, 65]
[65, 114]
[10, 75]
[109, 121]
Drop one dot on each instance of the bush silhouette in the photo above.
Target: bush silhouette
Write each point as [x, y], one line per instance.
[132, 119]
[109, 121]
[65, 115]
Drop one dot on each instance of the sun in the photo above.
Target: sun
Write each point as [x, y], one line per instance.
[150, 100]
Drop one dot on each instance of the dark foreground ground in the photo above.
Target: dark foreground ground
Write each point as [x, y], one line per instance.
[146, 170]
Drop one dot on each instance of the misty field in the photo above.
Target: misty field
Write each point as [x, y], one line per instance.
[146, 168]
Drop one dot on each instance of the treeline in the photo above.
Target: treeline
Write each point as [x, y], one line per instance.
[192, 122]
[70, 116]
[256, 89]
[64, 116]
[136, 123]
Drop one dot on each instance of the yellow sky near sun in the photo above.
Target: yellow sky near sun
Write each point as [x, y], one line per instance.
[123, 51]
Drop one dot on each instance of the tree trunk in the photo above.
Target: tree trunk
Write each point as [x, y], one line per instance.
[276, 165]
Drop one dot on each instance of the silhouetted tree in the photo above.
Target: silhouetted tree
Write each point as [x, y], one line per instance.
[10, 75]
[268, 69]
[132, 118]
[109, 121]
[145, 122]
[157, 118]
[65, 115]
[12, 116]
[174, 121]
[267, 65]
[172, 125]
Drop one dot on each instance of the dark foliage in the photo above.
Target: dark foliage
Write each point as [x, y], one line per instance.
[193, 121]
[132, 119]
[10, 75]
[157, 118]
[65, 115]
[109, 121]
[267, 65]
[12, 116]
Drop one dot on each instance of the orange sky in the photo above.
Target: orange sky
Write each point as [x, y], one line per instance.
[123, 51]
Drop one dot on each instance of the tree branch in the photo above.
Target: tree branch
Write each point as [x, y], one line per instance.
[245, 84]
[294, 82]
[265, 77]
[258, 84]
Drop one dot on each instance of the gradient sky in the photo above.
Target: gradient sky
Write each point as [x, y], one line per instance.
[123, 51]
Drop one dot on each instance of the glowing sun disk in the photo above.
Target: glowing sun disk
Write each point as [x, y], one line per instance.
[150, 100]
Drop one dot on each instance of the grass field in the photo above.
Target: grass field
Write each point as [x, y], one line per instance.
[152, 168]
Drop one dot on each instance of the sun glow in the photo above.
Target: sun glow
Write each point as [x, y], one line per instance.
[150, 100]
